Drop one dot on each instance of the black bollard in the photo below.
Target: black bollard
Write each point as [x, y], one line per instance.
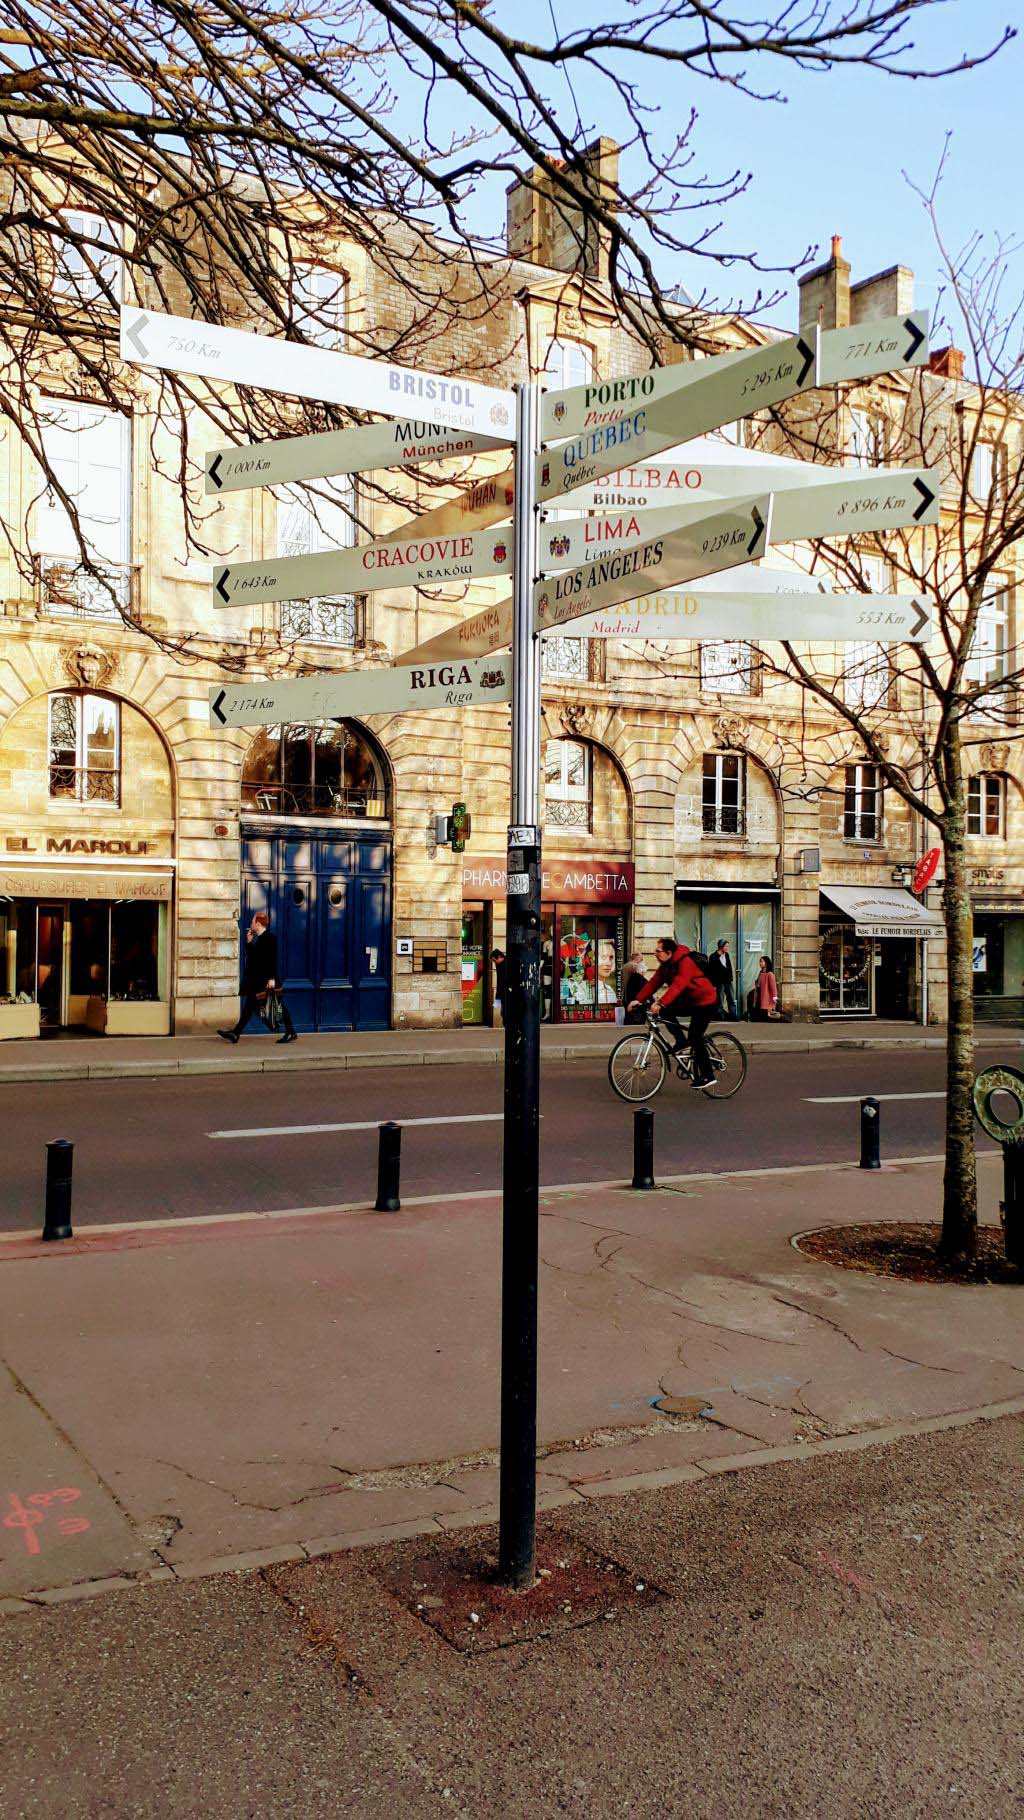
[389, 1167]
[60, 1156]
[869, 1134]
[643, 1148]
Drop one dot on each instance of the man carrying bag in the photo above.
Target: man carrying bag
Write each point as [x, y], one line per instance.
[259, 980]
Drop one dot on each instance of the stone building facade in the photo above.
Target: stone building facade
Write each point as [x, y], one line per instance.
[685, 788]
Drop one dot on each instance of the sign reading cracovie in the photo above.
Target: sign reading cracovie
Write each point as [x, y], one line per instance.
[406, 562]
[178, 344]
[332, 696]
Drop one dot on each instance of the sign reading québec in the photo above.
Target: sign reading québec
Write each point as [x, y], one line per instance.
[332, 696]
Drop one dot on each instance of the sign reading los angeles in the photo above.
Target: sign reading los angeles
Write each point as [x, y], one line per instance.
[264, 702]
[178, 344]
[717, 540]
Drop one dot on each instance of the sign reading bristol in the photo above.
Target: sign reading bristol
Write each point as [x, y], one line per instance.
[178, 344]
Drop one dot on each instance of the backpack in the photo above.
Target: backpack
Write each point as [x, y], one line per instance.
[707, 966]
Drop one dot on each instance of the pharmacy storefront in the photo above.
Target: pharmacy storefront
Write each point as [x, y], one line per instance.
[584, 933]
[869, 951]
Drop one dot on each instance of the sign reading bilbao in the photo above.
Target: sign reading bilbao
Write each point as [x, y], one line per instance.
[563, 881]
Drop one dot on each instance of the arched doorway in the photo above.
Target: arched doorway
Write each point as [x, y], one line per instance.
[317, 854]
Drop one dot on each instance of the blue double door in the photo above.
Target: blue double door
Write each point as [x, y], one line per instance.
[329, 900]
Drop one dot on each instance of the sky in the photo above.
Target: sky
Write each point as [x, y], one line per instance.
[830, 161]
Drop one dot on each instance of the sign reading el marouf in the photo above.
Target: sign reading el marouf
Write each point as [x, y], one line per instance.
[84, 881]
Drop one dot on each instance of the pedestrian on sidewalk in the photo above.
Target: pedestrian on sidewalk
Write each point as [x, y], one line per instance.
[260, 976]
[723, 978]
[766, 990]
[634, 975]
[498, 961]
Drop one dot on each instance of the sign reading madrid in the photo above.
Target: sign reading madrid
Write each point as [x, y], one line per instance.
[336, 694]
[178, 344]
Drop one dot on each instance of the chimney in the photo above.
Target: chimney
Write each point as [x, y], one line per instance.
[545, 227]
[888, 293]
[947, 363]
[825, 292]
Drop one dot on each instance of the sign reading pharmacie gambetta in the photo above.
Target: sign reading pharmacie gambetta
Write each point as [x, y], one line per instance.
[563, 881]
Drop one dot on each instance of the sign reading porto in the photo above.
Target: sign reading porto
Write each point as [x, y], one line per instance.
[178, 344]
[333, 695]
[405, 562]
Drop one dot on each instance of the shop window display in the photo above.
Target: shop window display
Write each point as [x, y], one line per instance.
[590, 968]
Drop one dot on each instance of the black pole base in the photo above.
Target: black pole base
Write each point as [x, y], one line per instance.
[60, 1156]
[870, 1134]
[643, 1148]
[389, 1168]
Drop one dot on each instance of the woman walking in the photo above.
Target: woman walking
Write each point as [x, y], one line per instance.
[766, 990]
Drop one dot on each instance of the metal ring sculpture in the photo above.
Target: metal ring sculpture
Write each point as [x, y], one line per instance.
[987, 1084]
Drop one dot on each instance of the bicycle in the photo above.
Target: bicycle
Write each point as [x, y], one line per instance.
[638, 1064]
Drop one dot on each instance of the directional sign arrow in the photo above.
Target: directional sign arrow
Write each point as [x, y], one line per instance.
[760, 530]
[404, 562]
[762, 617]
[917, 338]
[402, 444]
[805, 349]
[929, 499]
[336, 694]
[178, 344]
[718, 540]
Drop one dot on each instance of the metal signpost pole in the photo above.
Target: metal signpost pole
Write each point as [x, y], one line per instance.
[521, 1010]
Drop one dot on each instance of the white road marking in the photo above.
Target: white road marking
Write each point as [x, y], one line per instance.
[448, 1118]
[854, 1099]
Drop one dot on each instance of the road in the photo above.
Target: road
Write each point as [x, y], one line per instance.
[147, 1149]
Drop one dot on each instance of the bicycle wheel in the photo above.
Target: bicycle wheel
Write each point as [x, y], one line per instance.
[729, 1061]
[636, 1067]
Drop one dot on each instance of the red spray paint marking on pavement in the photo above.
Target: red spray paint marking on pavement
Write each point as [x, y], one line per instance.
[29, 1516]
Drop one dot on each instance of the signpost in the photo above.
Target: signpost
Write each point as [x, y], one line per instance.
[627, 420]
[404, 562]
[335, 694]
[402, 444]
[177, 344]
[717, 540]
[629, 587]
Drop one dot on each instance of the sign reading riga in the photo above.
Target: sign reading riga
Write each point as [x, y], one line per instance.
[336, 694]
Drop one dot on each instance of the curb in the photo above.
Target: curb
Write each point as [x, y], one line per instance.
[21, 1074]
[692, 1473]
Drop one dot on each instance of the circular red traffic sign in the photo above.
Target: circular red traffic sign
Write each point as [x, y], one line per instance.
[926, 869]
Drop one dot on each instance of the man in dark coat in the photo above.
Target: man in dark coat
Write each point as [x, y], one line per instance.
[683, 986]
[259, 976]
[723, 975]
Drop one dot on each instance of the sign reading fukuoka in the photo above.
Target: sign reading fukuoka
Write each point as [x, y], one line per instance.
[177, 344]
[336, 694]
[618, 422]
[405, 562]
[717, 540]
[402, 444]
[488, 630]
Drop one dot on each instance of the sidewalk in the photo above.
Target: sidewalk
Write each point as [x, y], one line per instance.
[121, 1058]
[181, 1398]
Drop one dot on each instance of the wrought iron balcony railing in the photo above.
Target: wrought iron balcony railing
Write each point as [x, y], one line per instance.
[68, 591]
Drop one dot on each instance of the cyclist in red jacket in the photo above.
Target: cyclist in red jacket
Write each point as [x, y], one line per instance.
[685, 988]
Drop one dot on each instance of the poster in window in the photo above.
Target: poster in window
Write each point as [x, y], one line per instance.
[980, 962]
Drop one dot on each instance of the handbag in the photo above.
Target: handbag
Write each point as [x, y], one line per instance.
[270, 1010]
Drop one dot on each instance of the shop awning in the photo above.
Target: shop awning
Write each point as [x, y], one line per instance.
[883, 910]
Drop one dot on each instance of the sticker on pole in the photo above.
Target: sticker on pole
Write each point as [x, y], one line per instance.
[519, 884]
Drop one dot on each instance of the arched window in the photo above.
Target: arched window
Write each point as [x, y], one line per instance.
[568, 784]
[315, 768]
[85, 748]
[986, 805]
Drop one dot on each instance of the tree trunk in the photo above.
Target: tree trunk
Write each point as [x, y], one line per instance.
[960, 1184]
